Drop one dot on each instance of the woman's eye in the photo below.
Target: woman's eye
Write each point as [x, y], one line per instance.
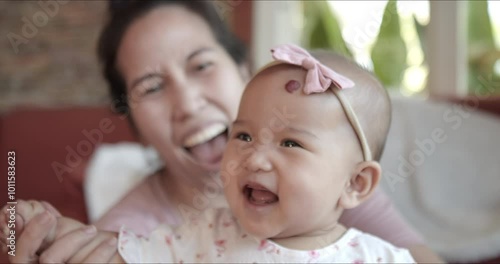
[290, 144]
[149, 86]
[203, 66]
[152, 89]
[244, 137]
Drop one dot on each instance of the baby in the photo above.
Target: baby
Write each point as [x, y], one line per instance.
[303, 148]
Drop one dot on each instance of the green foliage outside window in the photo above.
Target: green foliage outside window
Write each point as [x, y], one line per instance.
[323, 29]
[389, 51]
[483, 55]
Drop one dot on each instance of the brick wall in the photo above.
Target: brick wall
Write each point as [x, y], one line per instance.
[47, 53]
[48, 50]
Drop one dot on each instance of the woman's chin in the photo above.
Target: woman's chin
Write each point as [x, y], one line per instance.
[211, 167]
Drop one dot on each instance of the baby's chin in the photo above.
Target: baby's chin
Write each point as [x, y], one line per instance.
[261, 232]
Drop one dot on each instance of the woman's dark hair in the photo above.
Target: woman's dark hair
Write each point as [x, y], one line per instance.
[124, 12]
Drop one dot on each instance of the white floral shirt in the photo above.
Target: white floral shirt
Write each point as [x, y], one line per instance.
[217, 238]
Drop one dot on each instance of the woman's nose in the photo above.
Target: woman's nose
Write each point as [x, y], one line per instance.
[258, 160]
[188, 100]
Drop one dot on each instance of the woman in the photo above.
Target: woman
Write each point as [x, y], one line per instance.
[179, 74]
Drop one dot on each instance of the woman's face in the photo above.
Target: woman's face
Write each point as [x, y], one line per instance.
[183, 87]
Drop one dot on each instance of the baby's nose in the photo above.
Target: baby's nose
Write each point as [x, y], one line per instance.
[258, 161]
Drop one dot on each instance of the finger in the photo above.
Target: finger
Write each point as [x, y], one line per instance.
[4, 247]
[66, 246]
[4, 217]
[5, 228]
[26, 210]
[51, 208]
[4, 223]
[104, 252]
[37, 206]
[19, 223]
[5, 235]
[32, 237]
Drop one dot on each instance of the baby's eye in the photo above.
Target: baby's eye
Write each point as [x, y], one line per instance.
[244, 137]
[290, 144]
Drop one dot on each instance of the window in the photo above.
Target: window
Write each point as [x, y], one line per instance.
[407, 45]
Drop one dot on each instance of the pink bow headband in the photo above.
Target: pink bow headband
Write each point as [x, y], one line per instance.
[318, 79]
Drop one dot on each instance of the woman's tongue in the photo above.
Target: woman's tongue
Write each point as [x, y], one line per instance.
[211, 151]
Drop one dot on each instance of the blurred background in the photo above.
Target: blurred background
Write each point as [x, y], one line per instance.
[401, 41]
[48, 59]
[48, 56]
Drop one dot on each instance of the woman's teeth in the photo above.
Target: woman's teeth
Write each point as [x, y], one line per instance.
[204, 135]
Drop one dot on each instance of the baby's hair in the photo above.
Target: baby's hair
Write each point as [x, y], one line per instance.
[369, 99]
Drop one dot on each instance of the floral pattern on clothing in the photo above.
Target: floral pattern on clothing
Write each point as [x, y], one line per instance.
[221, 240]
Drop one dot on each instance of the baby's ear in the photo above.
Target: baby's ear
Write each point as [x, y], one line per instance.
[362, 183]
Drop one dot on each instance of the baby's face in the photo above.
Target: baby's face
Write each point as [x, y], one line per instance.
[288, 158]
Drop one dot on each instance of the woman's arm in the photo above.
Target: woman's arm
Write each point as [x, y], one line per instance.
[378, 216]
[96, 249]
[30, 240]
[81, 246]
[423, 254]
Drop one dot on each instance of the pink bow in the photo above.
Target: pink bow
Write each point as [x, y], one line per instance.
[319, 77]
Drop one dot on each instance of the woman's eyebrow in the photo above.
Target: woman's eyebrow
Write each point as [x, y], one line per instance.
[145, 77]
[198, 51]
[152, 75]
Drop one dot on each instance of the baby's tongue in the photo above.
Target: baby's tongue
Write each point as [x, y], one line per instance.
[263, 196]
[210, 151]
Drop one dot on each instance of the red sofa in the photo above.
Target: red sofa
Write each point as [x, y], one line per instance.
[52, 148]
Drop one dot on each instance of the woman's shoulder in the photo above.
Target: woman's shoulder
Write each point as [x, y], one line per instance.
[379, 217]
[141, 210]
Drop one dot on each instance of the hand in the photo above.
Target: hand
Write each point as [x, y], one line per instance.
[105, 252]
[7, 222]
[82, 246]
[14, 216]
[32, 237]
[13, 219]
[74, 242]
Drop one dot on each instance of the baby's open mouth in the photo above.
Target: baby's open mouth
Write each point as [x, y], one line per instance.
[207, 145]
[259, 195]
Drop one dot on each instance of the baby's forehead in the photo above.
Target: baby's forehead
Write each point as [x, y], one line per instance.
[279, 78]
[283, 81]
[283, 86]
